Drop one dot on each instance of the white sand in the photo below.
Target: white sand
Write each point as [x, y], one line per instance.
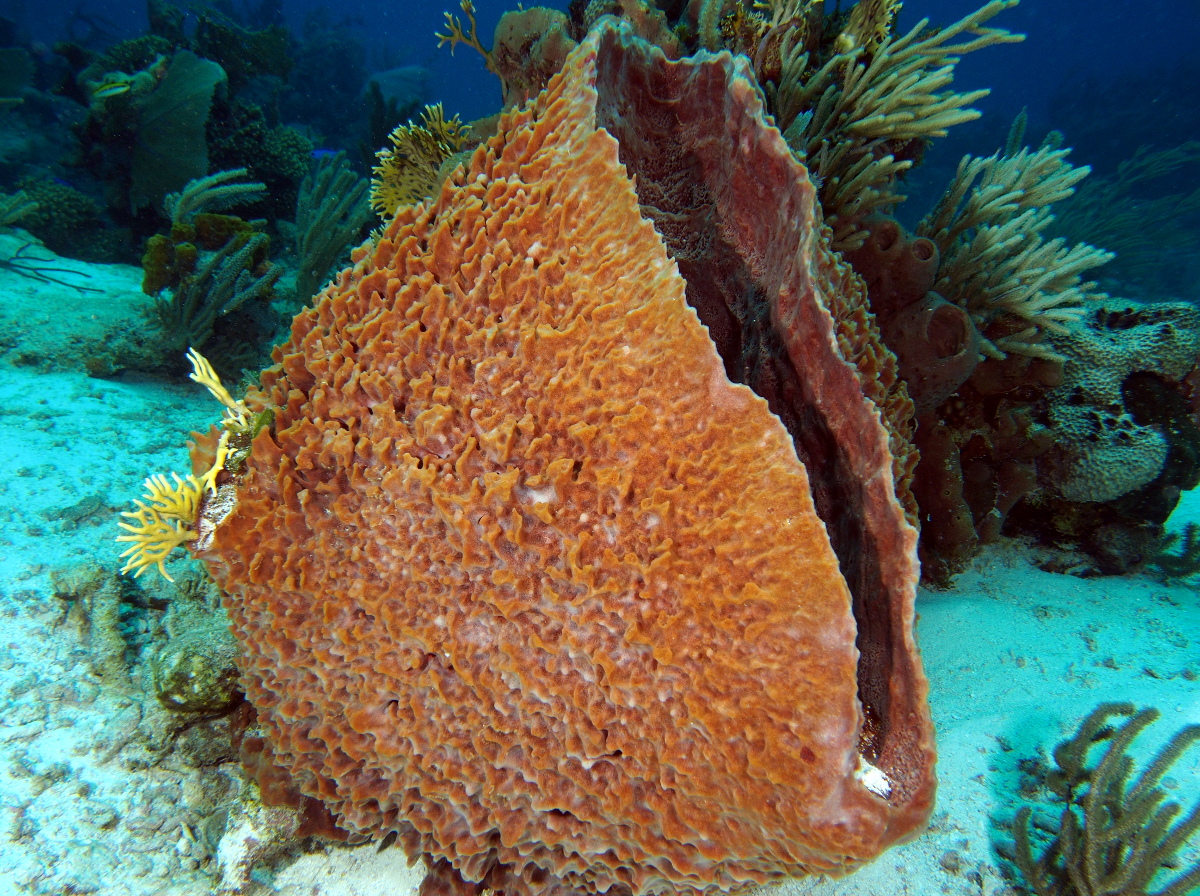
[99, 799]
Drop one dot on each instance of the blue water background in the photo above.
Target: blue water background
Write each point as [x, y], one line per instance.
[1069, 42]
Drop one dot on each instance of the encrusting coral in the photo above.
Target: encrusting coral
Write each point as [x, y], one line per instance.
[522, 577]
[1108, 446]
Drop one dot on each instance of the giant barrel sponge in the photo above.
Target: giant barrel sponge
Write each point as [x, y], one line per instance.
[521, 574]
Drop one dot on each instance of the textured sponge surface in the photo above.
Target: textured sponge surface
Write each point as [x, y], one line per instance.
[520, 574]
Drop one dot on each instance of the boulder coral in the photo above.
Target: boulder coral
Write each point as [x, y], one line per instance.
[519, 573]
[1090, 452]
[1107, 449]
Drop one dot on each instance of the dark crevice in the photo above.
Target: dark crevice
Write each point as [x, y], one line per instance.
[670, 179]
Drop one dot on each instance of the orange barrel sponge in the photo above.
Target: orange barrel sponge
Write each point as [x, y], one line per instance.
[520, 575]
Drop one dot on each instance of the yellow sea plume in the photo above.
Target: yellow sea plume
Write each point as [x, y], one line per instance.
[870, 25]
[165, 520]
[410, 169]
[161, 525]
[237, 415]
[457, 34]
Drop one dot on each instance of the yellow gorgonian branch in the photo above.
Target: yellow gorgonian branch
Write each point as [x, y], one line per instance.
[166, 519]
[161, 523]
[237, 415]
[869, 27]
[410, 170]
[456, 35]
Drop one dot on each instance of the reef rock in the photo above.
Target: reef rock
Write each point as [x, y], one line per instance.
[522, 576]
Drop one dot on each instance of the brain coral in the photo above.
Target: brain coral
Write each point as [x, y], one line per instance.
[1104, 451]
[519, 574]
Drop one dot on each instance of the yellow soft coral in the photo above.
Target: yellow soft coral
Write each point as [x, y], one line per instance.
[237, 415]
[161, 525]
[165, 519]
[870, 25]
[456, 34]
[409, 171]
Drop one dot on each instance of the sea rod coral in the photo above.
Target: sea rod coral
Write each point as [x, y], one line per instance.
[521, 576]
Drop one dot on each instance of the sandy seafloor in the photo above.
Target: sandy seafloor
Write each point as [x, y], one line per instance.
[101, 793]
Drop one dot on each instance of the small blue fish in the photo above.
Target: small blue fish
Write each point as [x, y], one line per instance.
[323, 153]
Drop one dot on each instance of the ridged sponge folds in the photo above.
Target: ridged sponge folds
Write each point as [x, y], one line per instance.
[520, 575]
